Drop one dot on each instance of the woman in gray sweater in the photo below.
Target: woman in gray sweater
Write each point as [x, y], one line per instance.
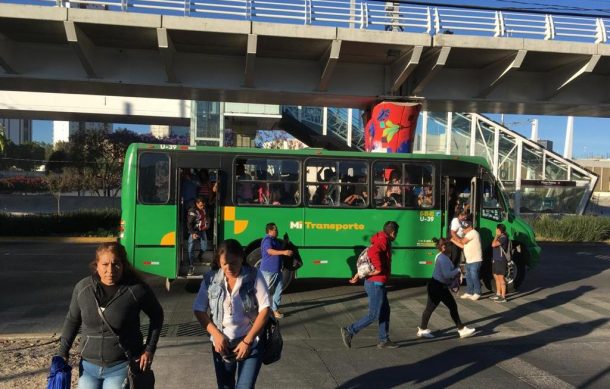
[438, 290]
[116, 292]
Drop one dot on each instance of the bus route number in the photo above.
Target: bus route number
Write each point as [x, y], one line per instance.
[426, 216]
[168, 147]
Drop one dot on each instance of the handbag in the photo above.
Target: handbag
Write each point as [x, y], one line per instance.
[136, 377]
[272, 341]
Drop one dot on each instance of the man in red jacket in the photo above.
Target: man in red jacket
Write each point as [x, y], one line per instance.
[380, 254]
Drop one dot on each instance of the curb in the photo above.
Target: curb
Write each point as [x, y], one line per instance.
[57, 239]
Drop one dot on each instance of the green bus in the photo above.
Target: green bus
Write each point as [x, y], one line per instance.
[328, 204]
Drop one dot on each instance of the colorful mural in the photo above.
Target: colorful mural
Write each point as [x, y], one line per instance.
[391, 128]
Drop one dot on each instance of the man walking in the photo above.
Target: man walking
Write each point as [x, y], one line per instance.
[197, 224]
[380, 254]
[471, 244]
[271, 266]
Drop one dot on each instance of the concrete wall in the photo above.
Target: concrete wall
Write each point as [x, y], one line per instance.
[46, 203]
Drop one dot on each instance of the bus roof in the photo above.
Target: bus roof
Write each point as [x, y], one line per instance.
[307, 152]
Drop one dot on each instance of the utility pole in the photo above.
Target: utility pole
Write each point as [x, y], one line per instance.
[567, 149]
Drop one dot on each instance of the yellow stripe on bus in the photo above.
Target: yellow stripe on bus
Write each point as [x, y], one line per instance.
[169, 239]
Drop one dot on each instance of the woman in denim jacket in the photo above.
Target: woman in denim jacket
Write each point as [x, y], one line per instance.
[237, 299]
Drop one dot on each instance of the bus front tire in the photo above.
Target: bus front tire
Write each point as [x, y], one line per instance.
[254, 259]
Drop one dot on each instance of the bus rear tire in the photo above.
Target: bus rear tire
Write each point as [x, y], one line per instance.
[254, 259]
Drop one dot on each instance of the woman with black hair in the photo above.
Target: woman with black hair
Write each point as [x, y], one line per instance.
[112, 296]
[438, 290]
[236, 296]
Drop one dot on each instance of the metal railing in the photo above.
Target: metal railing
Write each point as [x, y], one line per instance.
[370, 15]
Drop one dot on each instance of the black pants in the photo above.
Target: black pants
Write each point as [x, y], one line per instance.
[438, 292]
[455, 253]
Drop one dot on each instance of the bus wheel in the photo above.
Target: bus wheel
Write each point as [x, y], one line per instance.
[515, 274]
[254, 259]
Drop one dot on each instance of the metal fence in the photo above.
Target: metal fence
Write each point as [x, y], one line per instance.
[367, 14]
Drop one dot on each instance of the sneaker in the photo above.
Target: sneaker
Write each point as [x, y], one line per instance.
[500, 300]
[191, 271]
[387, 344]
[495, 297]
[424, 333]
[347, 337]
[278, 314]
[475, 297]
[466, 296]
[466, 332]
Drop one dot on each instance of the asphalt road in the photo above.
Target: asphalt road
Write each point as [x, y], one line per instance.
[554, 333]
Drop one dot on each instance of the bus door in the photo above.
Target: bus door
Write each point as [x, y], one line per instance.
[154, 236]
[196, 178]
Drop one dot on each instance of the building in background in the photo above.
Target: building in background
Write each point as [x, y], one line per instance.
[164, 131]
[63, 129]
[18, 131]
[601, 167]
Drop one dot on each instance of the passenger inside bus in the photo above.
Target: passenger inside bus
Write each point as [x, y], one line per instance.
[325, 193]
[393, 192]
[424, 199]
[245, 190]
[355, 194]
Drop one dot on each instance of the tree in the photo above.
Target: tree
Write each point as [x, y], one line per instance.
[59, 183]
[3, 140]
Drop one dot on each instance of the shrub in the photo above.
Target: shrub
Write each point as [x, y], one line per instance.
[104, 222]
[573, 228]
[23, 184]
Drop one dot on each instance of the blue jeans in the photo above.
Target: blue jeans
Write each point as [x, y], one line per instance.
[203, 241]
[247, 370]
[473, 281]
[379, 309]
[93, 376]
[275, 283]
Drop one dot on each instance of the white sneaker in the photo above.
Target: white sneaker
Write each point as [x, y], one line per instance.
[466, 332]
[475, 297]
[466, 296]
[424, 333]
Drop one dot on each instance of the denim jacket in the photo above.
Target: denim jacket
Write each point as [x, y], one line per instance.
[217, 290]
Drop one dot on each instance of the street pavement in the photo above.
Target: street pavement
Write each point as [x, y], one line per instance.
[553, 333]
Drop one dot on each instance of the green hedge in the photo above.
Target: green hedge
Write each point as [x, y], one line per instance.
[104, 222]
[572, 228]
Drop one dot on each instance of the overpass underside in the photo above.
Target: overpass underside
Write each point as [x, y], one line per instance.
[61, 50]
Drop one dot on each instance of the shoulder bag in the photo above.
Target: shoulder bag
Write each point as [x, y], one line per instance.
[136, 377]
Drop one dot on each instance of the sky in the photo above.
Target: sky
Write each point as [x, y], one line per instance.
[590, 139]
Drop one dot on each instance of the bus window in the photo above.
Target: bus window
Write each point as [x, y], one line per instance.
[421, 184]
[321, 187]
[389, 188]
[353, 183]
[261, 181]
[153, 178]
[491, 207]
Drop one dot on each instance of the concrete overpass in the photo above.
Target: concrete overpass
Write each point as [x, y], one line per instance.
[97, 52]
[94, 108]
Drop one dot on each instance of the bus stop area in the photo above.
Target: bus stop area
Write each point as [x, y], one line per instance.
[553, 333]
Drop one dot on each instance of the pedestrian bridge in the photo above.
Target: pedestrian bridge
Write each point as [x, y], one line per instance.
[349, 53]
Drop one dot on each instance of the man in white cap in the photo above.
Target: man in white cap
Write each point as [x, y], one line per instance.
[471, 244]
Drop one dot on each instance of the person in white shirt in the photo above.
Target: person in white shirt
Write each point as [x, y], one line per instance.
[237, 299]
[471, 244]
[456, 232]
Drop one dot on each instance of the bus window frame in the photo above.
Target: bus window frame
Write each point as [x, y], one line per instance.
[336, 162]
[169, 178]
[403, 164]
[258, 205]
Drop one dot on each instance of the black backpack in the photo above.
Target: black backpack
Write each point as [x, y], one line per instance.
[272, 341]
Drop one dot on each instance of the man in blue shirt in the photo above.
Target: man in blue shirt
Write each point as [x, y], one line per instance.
[271, 266]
